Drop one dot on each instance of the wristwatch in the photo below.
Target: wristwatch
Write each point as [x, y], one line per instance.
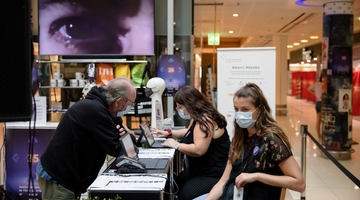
[169, 131]
[177, 145]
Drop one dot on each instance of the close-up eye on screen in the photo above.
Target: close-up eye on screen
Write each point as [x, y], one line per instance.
[85, 27]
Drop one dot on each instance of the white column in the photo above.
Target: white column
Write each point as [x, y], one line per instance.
[280, 42]
[170, 50]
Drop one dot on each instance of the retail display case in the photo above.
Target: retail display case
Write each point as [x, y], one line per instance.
[61, 96]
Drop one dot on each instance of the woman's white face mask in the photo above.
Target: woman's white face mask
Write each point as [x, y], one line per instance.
[244, 119]
[182, 114]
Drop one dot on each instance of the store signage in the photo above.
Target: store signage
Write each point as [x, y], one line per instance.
[306, 54]
[240, 66]
[214, 39]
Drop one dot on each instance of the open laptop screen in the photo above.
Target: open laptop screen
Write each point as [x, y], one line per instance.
[146, 131]
[128, 146]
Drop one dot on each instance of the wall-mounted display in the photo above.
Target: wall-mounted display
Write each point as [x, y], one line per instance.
[171, 68]
[94, 27]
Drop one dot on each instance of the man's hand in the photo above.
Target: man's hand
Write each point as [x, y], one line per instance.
[126, 129]
[122, 131]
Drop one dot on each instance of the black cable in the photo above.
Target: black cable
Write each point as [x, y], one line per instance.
[337, 163]
[31, 151]
[6, 193]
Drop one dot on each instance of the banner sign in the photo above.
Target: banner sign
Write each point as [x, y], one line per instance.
[238, 66]
[18, 158]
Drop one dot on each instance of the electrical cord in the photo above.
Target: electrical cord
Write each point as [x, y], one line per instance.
[31, 152]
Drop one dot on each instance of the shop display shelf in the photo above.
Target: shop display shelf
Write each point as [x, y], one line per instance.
[79, 87]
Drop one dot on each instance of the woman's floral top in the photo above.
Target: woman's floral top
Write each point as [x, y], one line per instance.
[261, 154]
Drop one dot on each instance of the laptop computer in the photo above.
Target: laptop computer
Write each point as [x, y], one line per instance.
[149, 138]
[159, 164]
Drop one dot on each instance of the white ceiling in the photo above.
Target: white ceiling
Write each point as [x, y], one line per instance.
[260, 20]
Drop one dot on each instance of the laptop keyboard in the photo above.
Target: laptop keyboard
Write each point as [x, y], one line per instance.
[149, 163]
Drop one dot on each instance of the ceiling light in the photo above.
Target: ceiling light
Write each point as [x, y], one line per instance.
[231, 31]
[235, 15]
[304, 41]
[303, 3]
[296, 44]
[358, 18]
[290, 46]
[314, 37]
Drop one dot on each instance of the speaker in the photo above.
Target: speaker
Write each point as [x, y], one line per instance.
[15, 60]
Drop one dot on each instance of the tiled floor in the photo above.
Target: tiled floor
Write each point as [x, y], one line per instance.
[323, 179]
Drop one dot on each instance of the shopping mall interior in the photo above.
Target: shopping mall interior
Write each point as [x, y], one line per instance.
[254, 24]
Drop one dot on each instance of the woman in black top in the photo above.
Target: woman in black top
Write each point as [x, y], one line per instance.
[260, 161]
[205, 143]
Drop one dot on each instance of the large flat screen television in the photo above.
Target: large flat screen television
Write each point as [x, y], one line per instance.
[96, 27]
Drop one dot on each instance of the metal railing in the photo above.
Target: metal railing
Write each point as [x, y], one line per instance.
[304, 133]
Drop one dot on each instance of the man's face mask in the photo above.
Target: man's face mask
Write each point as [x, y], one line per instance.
[123, 112]
[148, 92]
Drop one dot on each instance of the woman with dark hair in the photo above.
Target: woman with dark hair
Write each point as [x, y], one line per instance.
[205, 143]
[260, 161]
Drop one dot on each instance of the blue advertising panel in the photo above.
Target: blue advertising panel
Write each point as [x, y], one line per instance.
[18, 162]
[171, 68]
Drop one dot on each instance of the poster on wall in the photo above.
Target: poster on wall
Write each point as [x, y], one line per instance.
[18, 182]
[341, 61]
[325, 50]
[344, 100]
[239, 66]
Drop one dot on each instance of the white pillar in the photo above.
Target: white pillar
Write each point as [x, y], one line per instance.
[170, 50]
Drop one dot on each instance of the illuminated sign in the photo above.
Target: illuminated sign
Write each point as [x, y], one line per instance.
[306, 54]
[214, 39]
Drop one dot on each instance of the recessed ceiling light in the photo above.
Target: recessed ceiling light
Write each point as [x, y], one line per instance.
[290, 46]
[296, 44]
[231, 31]
[358, 18]
[235, 15]
[314, 37]
[304, 41]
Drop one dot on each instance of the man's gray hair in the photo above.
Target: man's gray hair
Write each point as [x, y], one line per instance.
[116, 88]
